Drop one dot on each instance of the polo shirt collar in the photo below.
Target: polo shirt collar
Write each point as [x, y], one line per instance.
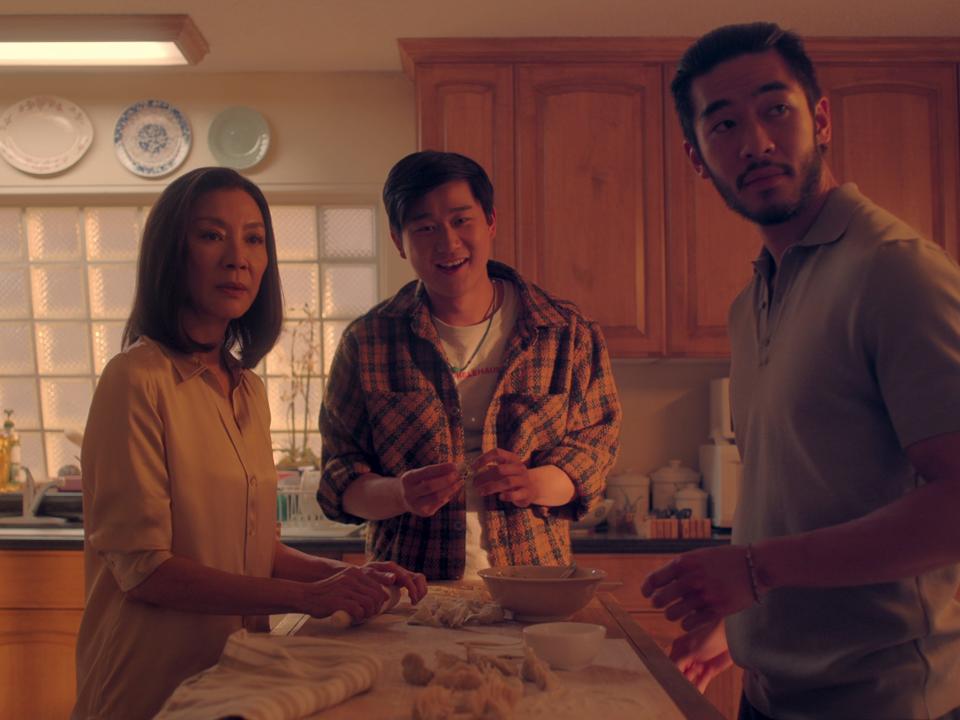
[835, 216]
[830, 225]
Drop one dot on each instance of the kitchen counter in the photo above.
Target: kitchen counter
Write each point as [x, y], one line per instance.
[631, 672]
[333, 541]
[70, 537]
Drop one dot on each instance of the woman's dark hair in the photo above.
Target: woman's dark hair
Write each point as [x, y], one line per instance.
[161, 292]
[731, 41]
[420, 172]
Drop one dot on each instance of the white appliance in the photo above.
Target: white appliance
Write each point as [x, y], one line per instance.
[722, 475]
[719, 459]
[721, 420]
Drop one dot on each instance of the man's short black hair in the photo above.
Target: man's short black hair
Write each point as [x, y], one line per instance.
[421, 172]
[731, 41]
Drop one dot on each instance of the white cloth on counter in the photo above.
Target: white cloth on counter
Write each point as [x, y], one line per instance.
[266, 677]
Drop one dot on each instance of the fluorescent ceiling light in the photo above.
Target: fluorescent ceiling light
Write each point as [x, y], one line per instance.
[99, 40]
[90, 53]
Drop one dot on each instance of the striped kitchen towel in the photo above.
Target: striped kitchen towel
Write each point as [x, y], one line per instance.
[265, 677]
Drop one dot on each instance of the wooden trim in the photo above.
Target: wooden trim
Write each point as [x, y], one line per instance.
[688, 699]
[41, 579]
[179, 29]
[414, 51]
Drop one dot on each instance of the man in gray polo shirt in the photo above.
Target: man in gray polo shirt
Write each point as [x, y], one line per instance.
[839, 588]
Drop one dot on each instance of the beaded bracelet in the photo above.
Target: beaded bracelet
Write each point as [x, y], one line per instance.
[752, 572]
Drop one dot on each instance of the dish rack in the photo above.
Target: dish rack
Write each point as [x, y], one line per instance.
[298, 511]
[299, 507]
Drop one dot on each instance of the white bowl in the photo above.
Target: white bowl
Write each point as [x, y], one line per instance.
[595, 516]
[538, 593]
[565, 645]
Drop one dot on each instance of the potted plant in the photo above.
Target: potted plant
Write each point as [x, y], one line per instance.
[303, 370]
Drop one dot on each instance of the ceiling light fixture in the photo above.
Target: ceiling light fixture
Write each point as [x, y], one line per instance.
[99, 40]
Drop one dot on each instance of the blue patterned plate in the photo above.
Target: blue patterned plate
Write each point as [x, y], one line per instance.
[239, 137]
[151, 138]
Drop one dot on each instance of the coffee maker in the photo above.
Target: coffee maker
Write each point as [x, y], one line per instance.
[719, 458]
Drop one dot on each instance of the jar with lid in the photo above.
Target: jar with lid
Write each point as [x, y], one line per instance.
[668, 480]
[693, 499]
[630, 492]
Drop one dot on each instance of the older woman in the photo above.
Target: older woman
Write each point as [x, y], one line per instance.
[179, 483]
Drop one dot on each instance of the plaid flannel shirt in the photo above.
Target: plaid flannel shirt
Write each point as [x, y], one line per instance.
[391, 405]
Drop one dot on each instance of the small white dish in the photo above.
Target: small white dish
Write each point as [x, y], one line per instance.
[43, 134]
[152, 138]
[239, 137]
[595, 516]
[565, 645]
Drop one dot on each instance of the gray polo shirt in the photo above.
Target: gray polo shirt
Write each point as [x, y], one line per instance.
[845, 355]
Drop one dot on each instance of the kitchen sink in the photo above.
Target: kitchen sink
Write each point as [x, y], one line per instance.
[39, 522]
[41, 532]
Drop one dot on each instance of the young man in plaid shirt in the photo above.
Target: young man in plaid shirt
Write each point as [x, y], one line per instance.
[471, 416]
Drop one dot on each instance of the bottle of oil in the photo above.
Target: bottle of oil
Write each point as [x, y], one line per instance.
[10, 471]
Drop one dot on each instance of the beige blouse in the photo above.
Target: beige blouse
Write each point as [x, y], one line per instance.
[169, 468]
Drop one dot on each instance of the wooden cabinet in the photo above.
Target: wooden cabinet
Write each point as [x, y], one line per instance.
[710, 253]
[598, 202]
[468, 108]
[895, 134]
[575, 155]
[589, 193]
[41, 601]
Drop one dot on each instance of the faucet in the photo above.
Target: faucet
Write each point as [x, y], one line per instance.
[32, 497]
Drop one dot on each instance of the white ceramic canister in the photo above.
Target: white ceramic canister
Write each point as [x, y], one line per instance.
[630, 492]
[668, 480]
[693, 499]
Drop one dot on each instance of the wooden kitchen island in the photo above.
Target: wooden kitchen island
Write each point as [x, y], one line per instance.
[654, 682]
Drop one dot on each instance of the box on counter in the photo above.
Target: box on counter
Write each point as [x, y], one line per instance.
[674, 528]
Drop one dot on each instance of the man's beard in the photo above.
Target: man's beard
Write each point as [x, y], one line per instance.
[779, 213]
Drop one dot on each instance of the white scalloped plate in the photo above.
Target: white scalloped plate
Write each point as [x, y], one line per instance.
[43, 134]
[239, 137]
[152, 138]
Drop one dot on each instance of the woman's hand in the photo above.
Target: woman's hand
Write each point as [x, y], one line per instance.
[425, 490]
[389, 573]
[353, 590]
[703, 654]
[504, 474]
[702, 587]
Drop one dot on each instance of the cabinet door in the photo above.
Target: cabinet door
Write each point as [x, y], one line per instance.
[37, 662]
[590, 194]
[710, 256]
[468, 108]
[41, 579]
[895, 135]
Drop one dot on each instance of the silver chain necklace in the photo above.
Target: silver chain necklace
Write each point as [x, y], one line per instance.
[486, 331]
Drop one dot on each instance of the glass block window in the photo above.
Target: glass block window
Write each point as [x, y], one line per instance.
[67, 279]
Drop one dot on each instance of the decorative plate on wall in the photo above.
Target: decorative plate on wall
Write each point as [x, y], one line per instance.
[239, 137]
[43, 134]
[152, 138]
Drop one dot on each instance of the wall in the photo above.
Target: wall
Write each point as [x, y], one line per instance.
[335, 133]
[338, 134]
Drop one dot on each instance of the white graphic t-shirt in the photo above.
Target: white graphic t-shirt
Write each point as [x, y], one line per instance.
[475, 386]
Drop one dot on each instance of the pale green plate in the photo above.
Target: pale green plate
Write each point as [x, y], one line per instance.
[239, 137]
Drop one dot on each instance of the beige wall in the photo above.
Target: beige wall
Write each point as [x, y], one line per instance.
[335, 134]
